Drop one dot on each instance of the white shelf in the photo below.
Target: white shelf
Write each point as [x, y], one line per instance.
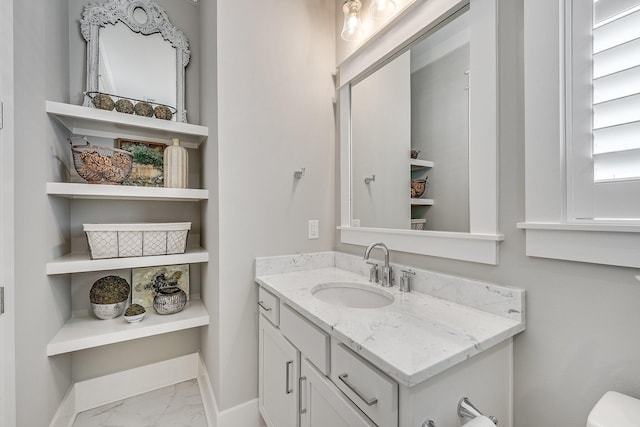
[87, 121]
[85, 331]
[420, 164]
[124, 192]
[81, 262]
[421, 202]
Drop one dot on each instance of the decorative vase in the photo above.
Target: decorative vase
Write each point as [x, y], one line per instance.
[176, 166]
[169, 300]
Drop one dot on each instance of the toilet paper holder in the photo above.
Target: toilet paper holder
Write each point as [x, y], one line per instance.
[466, 409]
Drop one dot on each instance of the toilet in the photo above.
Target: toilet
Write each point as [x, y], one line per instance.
[615, 410]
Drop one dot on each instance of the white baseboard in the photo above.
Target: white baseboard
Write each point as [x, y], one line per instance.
[95, 392]
[208, 396]
[245, 414]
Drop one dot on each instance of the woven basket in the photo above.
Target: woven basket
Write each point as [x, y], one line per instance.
[134, 240]
[98, 164]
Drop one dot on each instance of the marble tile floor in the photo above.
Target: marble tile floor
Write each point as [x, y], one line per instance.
[179, 405]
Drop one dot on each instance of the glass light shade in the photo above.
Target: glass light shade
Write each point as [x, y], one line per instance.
[352, 28]
[382, 9]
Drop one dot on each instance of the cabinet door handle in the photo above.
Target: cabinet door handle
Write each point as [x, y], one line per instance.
[286, 386]
[264, 307]
[369, 402]
[300, 389]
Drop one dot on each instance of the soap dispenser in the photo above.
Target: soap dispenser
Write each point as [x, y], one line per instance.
[405, 280]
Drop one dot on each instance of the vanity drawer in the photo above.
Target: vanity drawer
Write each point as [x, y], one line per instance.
[308, 338]
[269, 305]
[370, 389]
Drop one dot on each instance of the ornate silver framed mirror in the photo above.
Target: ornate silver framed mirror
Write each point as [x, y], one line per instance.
[134, 52]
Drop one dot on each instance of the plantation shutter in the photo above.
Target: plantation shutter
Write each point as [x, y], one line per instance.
[616, 90]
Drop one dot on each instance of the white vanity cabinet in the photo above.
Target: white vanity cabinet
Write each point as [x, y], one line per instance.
[294, 361]
[322, 404]
[279, 374]
[312, 378]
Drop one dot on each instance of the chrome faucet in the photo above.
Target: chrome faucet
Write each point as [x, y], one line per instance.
[387, 273]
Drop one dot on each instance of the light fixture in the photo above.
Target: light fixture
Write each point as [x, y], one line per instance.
[382, 9]
[352, 28]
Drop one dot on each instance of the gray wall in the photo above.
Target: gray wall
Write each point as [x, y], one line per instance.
[42, 303]
[581, 337]
[274, 116]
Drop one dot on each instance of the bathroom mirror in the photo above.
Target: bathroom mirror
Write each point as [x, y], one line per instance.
[150, 68]
[429, 83]
[417, 101]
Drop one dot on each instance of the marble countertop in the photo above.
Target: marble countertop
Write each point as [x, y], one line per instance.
[412, 339]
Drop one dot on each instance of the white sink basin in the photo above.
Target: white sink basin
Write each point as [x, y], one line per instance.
[352, 294]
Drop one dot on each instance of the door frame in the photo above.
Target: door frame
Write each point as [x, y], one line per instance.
[7, 320]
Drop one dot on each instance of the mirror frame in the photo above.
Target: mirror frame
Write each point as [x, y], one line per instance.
[96, 16]
[422, 17]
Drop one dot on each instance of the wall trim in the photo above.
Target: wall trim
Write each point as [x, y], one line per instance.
[89, 394]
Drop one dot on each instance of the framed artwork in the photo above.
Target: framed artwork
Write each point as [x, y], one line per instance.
[148, 162]
[145, 281]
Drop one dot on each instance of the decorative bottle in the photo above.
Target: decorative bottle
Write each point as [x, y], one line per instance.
[176, 166]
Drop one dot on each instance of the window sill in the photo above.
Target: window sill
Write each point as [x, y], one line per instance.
[599, 243]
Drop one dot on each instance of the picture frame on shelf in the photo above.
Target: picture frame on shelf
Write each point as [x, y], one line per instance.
[148, 162]
[145, 281]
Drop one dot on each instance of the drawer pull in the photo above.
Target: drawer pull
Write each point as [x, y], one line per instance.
[286, 386]
[264, 307]
[300, 389]
[369, 402]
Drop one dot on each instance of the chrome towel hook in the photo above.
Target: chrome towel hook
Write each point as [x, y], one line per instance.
[466, 409]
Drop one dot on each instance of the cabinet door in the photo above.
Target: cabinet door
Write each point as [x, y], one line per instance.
[279, 371]
[323, 405]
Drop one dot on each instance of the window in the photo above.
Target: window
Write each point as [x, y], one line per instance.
[582, 130]
[603, 113]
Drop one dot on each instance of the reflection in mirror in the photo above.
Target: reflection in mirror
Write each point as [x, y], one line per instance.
[419, 101]
[145, 70]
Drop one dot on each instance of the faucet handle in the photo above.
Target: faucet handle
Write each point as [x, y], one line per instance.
[405, 280]
[373, 272]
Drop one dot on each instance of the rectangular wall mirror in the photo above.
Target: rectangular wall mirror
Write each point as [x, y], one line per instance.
[417, 103]
[423, 88]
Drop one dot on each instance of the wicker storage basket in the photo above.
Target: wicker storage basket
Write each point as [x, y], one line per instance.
[133, 240]
[98, 164]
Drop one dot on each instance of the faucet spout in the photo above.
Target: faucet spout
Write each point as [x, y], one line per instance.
[387, 274]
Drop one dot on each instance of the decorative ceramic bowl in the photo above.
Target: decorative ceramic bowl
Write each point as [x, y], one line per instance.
[169, 300]
[135, 318]
[108, 311]
[418, 187]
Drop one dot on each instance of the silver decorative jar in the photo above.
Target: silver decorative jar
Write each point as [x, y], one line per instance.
[169, 300]
[108, 311]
